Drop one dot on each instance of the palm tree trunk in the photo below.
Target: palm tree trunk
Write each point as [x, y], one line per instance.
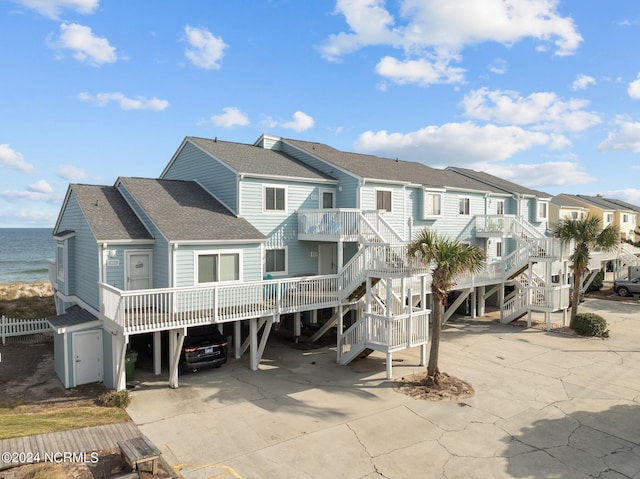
[577, 282]
[436, 323]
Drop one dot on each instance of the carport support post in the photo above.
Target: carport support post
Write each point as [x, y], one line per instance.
[121, 379]
[482, 298]
[157, 353]
[389, 366]
[237, 339]
[176, 339]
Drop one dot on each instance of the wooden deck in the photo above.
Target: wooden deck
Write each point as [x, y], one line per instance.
[77, 441]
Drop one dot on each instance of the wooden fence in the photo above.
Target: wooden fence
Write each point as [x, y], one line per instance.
[21, 327]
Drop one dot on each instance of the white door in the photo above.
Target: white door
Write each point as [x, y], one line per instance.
[138, 270]
[327, 258]
[327, 199]
[87, 357]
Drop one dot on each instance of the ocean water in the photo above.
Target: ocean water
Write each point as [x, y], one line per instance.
[24, 254]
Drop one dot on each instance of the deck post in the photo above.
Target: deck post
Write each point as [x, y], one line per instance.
[389, 365]
[157, 353]
[423, 355]
[482, 299]
[253, 346]
[121, 378]
[472, 306]
[176, 340]
[297, 326]
[237, 339]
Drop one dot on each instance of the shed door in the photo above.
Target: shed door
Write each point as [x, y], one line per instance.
[87, 357]
[138, 270]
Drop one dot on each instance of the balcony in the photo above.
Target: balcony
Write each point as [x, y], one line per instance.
[157, 309]
[348, 225]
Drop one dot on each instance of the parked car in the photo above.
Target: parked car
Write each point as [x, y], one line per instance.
[626, 286]
[203, 346]
[571, 296]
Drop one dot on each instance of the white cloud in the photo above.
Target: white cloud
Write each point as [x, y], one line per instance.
[231, 117]
[15, 196]
[541, 175]
[125, 103]
[629, 195]
[457, 143]
[634, 89]
[52, 8]
[625, 138]
[40, 186]
[499, 67]
[436, 29]
[301, 122]
[9, 158]
[582, 82]
[72, 173]
[541, 110]
[206, 51]
[21, 218]
[421, 72]
[86, 46]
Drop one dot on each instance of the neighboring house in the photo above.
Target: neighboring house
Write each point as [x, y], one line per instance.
[285, 232]
[563, 208]
[623, 215]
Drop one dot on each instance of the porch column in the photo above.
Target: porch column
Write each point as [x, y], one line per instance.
[237, 339]
[482, 299]
[157, 353]
[473, 299]
[340, 258]
[297, 326]
[389, 366]
[121, 378]
[176, 340]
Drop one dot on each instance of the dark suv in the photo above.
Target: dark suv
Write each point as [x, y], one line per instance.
[203, 346]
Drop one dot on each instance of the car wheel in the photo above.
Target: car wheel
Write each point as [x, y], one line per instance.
[623, 291]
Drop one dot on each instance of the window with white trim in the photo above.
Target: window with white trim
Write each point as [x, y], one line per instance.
[275, 198]
[383, 200]
[625, 218]
[609, 217]
[60, 262]
[500, 207]
[543, 210]
[463, 206]
[574, 215]
[214, 267]
[276, 260]
[499, 249]
[432, 204]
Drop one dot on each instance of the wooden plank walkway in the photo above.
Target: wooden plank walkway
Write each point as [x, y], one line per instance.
[77, 441]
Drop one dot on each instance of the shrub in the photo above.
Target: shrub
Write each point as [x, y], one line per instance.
[114, 399]
[591, 324]
[596, 284]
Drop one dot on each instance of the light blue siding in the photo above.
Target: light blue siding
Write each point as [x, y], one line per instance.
[185, 261]
[108, 360]
[397, 217]
[59, 358]
[348, 197]
[160, 248]
[83, 255]
[193, 164]
[281, 228]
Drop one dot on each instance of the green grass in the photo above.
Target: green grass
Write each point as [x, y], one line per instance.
[25, 421]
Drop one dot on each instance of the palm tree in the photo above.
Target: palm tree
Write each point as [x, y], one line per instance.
[448, 258]
[587, 233]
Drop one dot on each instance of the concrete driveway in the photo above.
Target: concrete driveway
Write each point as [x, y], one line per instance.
[547, 405]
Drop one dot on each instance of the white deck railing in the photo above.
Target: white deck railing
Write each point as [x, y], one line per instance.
[155, 309]
[346, 225]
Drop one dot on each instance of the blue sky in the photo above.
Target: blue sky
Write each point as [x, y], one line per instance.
[544, 93]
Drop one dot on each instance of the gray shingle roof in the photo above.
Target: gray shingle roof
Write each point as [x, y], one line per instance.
[598, 201]
[624, 205]
[250, 159]
[505, 185]
[565, 200]
[108, 214]
[378, 168]
[184, 211]
[74, 316]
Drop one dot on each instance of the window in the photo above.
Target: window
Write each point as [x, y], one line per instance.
[276, 261]
[217, 267]
[574, 215]
[383, 200]
[432, 204]
[499, 249]
[275, 199]
[60, 262]
[625, 218]
[328, 199]
[463, 206]
[500, 207]
[609, 217]
[543, 210]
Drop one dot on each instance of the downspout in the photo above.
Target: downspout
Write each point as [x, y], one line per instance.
[103, 263]
[172, 265]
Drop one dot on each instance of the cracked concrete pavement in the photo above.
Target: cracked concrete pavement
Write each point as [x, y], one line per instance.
[546, 405]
